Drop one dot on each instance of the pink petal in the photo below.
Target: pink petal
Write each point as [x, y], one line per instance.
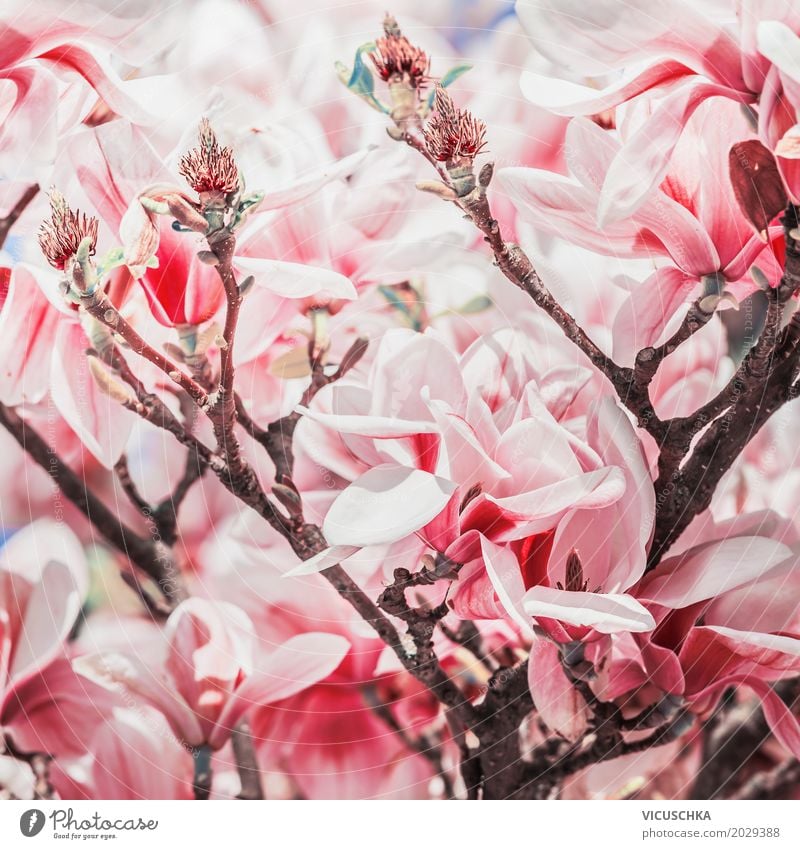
[322, 561]
[557, 701]
[294, 280]
[781, 720]
[113, 163]
[136, 682]
[49, 559]
[568, 98]
[643, 161]
[644, 315]
[540, 509]
[591, 40]
[309, 184]
[136, 757]
[28, 324]
[781, 46]
[375, 427]
[503, 570]
[101, 423]
[299, 663]
[707, 571]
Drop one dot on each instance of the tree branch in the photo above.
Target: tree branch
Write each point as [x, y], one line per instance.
[152, 559]
[8, 221]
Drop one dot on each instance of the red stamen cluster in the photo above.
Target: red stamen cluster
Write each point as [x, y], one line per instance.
[398, 59]
[209, 167]
[60, 237]
[453, 135]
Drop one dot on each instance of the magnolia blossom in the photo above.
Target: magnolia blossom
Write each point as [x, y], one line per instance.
[210, 677]
[729, 612]
[374, 422]
[479, 459]
[680, 220]
[180, 288]
[44, 706]
[678, 71]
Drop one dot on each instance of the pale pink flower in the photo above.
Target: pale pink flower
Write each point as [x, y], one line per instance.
[44, 706]
[474, 458]
[211, 677]
[682, 65]
[692, 219]
[119, 170]
[133, 755]
[727, 615]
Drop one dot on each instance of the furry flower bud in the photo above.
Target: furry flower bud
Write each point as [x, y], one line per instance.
[209, 167]
[61, 236]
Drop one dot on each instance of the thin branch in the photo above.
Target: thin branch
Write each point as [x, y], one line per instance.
[278, 436]
[8, 221]
[166, 512]
[246, 763]
[222, 410]
[152, 559]
[100, 307]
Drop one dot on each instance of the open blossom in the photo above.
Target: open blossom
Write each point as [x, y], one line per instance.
[473, 457]
[182, 289]
[679, 221]
[212, 676]
[727, 614]
[44, 706]
[748, 56]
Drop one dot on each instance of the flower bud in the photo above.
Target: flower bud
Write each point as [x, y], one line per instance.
[397, 60]
[209, 168]
[455, 136]
[67, 233]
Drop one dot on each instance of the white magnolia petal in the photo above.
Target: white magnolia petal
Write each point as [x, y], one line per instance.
[384, 505]
[608, 613]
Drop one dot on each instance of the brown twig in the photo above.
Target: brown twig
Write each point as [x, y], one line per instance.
[246, 763]
[150, 558]
[782, 782]
[98, 305]
[9, 220]
[222, 409]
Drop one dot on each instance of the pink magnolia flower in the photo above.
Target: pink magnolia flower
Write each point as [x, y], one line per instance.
[211, 677]
[779, 110]
[683, 66]
[50, 59]
[43, 349]
[692, 218]
[727, 615]
[331, 739]
[44, 706]
[479, 460]
[133, 755]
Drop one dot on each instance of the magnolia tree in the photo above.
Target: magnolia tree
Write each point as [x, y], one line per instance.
[400, 409]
